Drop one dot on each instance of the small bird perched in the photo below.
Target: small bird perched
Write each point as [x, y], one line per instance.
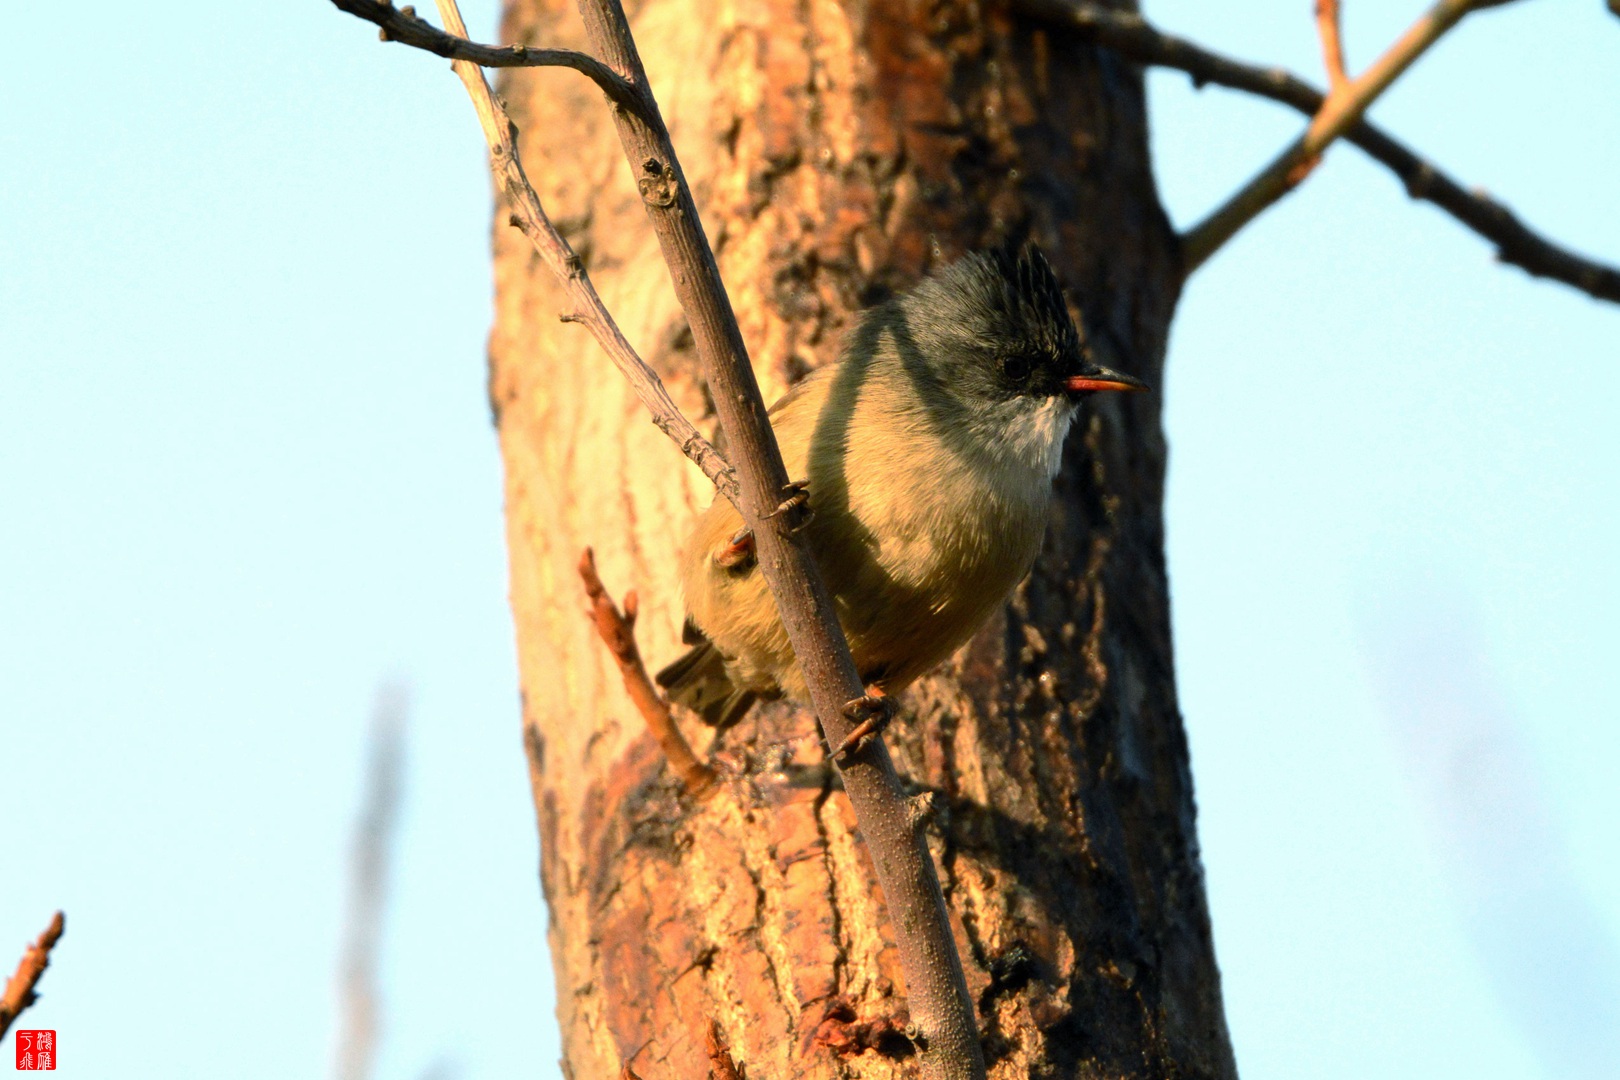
[930, 449]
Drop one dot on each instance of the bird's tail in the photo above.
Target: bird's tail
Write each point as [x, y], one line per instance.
[699, 681]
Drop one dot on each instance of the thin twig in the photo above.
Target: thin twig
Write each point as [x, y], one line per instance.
[528, 215]
[1133, 38]
[1329, 30]
[721, 1064]
[404, 26]
[1343, 107]
[36, 958]
[369, 858]
[618, 633]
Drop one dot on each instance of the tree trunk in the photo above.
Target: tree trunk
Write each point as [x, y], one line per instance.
[837, 152]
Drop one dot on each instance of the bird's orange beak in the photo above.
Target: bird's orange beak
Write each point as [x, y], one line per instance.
[1101, 378]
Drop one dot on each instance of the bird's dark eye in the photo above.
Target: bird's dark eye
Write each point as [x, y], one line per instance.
[1016, 368]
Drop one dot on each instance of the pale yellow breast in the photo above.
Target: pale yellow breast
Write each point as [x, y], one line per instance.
[918, 543]
[921, 541]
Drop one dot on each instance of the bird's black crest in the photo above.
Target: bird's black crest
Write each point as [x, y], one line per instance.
[1036, 299]
[1005, 298]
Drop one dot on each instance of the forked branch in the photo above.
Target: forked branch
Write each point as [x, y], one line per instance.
[940, 1006]
[19, 993]
[1343, 107]
[1135, 39]
[529, 216]
[403, 25]
[937, 993]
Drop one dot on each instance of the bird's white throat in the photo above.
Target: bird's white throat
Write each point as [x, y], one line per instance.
[1025, 435]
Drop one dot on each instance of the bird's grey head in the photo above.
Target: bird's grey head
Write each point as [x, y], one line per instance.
[993, 334]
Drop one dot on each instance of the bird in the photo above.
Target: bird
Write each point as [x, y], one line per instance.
[928, 452]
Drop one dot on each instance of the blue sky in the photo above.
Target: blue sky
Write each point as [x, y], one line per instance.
[248, 475]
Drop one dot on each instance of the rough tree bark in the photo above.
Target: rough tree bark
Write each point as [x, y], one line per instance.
[832, 149]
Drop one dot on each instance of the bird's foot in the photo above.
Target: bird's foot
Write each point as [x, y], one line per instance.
[738, 554]
[872, 712]
[795, 501]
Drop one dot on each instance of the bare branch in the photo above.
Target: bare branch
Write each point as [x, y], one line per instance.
[1328, 29]
[721, 1065]
[369, 858]
[19, 993]
[938, 995]
[403, 25]
[1343, 107]
[528, 215]
[1134, 38]
[618, 633]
